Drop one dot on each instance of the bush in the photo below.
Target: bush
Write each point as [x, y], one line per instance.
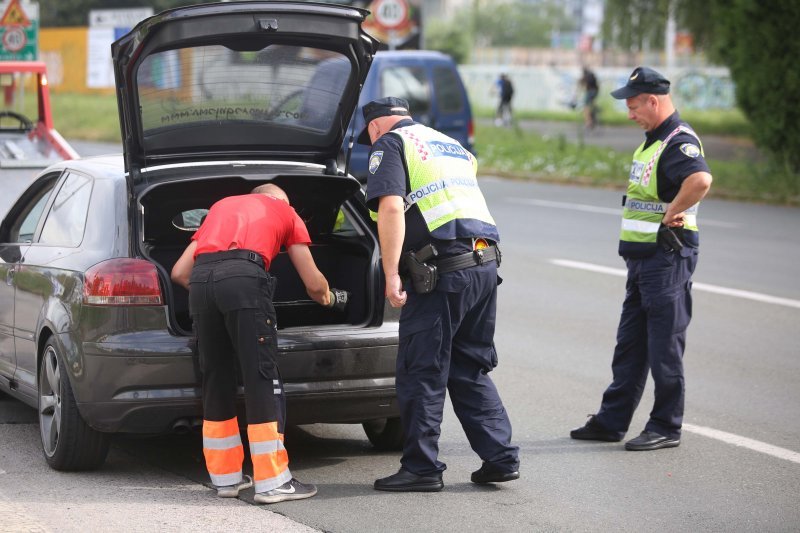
[764, 67]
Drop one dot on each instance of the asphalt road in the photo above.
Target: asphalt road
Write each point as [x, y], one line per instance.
[737, 469]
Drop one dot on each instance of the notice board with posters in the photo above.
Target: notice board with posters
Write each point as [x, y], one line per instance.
[19, 30]
[106, 26]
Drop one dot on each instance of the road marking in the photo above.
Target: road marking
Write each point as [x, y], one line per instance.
[616, 211]
[744, 442]
[737, 293]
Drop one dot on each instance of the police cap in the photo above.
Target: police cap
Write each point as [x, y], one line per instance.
[382, 107]
[643, 80]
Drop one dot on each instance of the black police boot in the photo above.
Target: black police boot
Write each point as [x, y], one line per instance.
[405, 481]
[593, 430]
[489, 473]
[650, 440]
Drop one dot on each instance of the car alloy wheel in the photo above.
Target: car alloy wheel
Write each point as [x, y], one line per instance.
[67, 441]
[50, 401]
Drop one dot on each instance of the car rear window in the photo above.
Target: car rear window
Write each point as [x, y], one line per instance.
[448, 90]
[281, 84]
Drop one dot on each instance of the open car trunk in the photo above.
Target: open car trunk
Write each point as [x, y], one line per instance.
[343, 246]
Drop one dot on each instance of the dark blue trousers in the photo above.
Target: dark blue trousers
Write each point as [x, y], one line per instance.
[651, 336]
[447, 343]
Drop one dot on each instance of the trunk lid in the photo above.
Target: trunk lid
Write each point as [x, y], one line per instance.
[240, 81]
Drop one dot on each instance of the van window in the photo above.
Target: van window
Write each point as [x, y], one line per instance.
[410, 83]
[448, 90]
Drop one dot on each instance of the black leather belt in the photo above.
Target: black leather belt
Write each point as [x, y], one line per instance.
[469, 259]
[230, 254]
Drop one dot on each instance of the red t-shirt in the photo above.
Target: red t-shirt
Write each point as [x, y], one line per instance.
[252, 222]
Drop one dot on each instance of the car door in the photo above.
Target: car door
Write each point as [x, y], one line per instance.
[41, 283]
[17, 232]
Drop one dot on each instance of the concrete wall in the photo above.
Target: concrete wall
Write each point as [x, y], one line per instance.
[538, 88]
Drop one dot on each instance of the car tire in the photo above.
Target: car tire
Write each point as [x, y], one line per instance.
[385, 434]
[68, 442]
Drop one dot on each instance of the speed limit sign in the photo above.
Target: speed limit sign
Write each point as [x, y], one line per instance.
[390, 14]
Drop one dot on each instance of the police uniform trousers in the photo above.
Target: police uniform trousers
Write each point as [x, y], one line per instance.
[446, 344]
[230, 299]
[651, 335]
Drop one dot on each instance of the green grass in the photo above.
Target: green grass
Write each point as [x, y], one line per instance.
[516, 153]
[717, 122]
[86, 117]
[525, 155]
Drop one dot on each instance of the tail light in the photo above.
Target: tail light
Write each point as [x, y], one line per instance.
[471, 132]
[122, 281]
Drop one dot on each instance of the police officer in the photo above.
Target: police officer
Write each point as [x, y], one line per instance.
[230, 299]
[423, 186]
[659, 242]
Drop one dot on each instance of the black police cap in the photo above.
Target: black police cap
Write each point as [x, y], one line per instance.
[643, 80]
[382, 107]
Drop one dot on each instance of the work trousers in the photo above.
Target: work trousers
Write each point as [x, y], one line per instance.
[651, 336]
[447, 344]
[230, 300]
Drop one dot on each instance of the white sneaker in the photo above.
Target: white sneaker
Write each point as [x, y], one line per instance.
[232, 491]
[291, 490]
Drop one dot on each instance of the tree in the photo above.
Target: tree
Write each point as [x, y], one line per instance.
[635, 25]
[519, 23]
[449, 38]
[753, 38]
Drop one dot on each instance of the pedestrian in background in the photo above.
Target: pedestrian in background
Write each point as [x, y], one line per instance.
[588, 83]
[230, 299]
[505, 91]
[659, 241]
[433, 218]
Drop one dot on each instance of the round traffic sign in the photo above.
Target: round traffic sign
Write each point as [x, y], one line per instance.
[390, 14]
[14, 39]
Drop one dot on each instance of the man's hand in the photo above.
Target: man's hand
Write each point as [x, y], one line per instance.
[338, 299]
[673, 221]
[394, 291]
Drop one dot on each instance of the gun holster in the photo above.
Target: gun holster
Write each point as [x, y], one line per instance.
[423, 276]
[669, 239]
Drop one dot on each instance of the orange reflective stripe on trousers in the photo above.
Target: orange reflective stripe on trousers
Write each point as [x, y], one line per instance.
[270, 459]
[222, 448]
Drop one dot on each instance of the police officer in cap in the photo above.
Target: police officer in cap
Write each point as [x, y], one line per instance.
[433, 223]
[659, 241]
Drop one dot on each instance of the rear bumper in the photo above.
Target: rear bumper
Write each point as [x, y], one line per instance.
[146, 386]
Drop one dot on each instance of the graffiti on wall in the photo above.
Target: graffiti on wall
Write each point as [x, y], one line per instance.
[701, 90]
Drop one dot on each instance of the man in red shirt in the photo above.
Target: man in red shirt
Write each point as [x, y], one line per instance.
[230, 299]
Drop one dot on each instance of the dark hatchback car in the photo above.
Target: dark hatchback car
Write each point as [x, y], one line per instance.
[213, 99]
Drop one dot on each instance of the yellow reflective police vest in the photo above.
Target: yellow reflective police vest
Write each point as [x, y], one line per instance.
[644, 210]
[443, 185]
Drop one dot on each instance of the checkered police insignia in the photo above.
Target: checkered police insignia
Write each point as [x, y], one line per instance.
[637, 168]
[690, 149]
[375, 161]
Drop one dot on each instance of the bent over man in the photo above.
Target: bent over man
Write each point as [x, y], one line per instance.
[659, 241]
[423, 186]
[230, 300]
